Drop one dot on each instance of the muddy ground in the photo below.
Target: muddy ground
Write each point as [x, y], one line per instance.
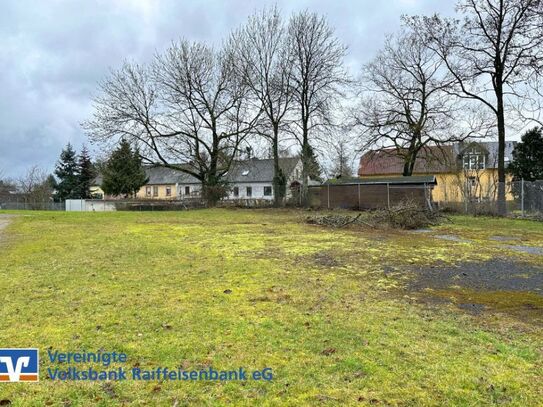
[505, 286]
[493, 275]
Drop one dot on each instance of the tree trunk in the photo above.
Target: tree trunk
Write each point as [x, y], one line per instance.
[305, 172]
[409, 163]
[501, 149]
[408, 166]
[278, 185]
[211, 181]
[305, 163]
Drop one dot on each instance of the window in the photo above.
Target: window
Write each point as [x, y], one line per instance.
[236, 191]
[168, 191]
[267, 191]
[249, 192]
[147, 191]
[474, 160]
[187, 190]
[155, 190]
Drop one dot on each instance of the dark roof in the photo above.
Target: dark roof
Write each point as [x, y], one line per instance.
[431, 160]
[387, 161]
[491, 147]
[165, 176]
[160, 176]
[253, 170]
[418, 179]
[256, 170]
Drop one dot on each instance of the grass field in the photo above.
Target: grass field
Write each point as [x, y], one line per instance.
[257, 289]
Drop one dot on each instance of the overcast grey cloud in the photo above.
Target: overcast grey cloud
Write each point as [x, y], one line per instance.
[53, 53]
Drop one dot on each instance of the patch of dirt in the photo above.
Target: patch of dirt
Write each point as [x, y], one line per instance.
[526, 249]
[324, 259]
[452, 238]
[492, 275]
[507, 286]
[503, 238]
[4, 221]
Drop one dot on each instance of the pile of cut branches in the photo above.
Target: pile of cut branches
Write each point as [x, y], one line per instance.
[407, 214]
[333, 220]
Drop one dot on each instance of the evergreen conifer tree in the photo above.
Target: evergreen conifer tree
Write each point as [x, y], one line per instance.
[67, 173]
[123, 174]
[86, 174]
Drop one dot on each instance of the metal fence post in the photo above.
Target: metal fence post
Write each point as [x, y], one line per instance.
[359, 204]
[388, 195]
[522, 196]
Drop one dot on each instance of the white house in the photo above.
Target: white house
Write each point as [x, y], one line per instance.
[249, 179]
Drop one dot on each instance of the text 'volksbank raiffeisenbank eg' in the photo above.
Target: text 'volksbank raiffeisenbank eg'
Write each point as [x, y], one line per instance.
[74, 366]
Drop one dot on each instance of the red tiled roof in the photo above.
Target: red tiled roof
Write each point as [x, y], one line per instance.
[430, 160]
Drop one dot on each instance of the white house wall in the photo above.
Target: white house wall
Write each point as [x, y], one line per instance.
[256, 193]
[257, 187]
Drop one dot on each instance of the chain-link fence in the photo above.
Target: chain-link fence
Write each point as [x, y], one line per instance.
[527, 198]
[523, 199]
[36, 206]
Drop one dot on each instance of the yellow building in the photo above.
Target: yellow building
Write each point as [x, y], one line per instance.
[465, 172]
[163, 184]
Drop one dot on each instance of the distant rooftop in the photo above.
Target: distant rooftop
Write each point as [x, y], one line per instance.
[431, 160]
[252, 170]
[419, 179]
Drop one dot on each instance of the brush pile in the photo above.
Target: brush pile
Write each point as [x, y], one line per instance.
[405, 215]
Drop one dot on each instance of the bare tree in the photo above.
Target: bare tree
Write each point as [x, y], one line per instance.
[407, 103]
[490, 52]
[317, 80]
[262, 59]
[188, 111]
[339, 153]
[36, 187]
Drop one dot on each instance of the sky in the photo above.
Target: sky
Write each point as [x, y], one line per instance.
[53, 53]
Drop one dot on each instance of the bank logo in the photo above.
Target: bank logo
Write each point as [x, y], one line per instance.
[18, 365]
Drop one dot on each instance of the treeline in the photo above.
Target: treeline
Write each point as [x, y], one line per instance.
[195, 107]
[75, 175]
[282, 81]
